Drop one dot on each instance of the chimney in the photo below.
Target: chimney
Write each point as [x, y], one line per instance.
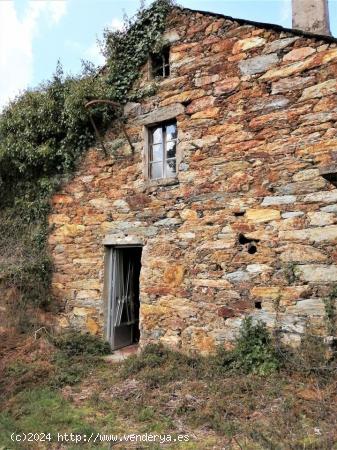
[311, 15]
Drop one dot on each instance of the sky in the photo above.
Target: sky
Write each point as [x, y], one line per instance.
[34, 34]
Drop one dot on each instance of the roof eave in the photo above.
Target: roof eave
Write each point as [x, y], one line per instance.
[272, 26]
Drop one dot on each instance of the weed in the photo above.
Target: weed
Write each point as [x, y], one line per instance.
[157, 365]
[145, 414]
[75, 344]
[254, 351]
[310, 358]
[289, 271]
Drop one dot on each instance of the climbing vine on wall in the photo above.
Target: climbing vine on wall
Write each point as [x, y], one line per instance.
[45, 131]
[127, 50]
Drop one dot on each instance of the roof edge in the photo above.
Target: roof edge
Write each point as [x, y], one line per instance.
[275, 27]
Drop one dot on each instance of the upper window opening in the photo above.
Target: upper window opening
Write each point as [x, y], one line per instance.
[160, 63]
[162, 150]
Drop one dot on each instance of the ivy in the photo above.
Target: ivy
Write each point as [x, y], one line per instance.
[127, 50]
[45, 131]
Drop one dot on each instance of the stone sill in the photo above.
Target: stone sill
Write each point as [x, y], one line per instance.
[112, 240]
[161, 182]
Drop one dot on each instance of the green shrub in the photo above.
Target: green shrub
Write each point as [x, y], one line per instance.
[77, 344]
[157, 365]
[254, 351]
[67, 373]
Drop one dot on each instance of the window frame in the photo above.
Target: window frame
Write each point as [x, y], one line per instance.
[163, 126]
[156, 117]
[165, 66]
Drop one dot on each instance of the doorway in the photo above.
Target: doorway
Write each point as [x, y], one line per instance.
[123, 270]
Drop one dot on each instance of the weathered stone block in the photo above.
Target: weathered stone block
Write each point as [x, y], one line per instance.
[291, 84]
[279, 200]
[301, 253]
[174, 275]
[70, 230]
[219, 283]
[262, 215]
[258, 64]
[321, 218]
[319, 90]
[299, 53]
[309, 307]
[323, 197]
[317, 273]
[101, 203]
[247, 44]
[301, 187]
[329, 233]
[279, 44]
[226, 86]
[299, 67]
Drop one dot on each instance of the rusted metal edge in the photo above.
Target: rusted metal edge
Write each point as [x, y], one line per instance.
[116, 105]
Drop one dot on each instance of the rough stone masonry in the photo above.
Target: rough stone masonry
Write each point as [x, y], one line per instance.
[248, 226]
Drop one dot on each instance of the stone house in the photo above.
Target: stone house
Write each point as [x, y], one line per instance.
[227, 207]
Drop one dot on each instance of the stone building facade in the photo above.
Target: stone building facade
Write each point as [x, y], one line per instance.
[248, 226]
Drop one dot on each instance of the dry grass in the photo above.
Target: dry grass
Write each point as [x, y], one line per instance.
[164, 392]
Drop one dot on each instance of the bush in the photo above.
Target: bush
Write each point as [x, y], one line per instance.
[77, 344]
[254, 351]
[157, 365]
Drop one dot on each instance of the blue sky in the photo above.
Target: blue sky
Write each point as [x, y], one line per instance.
[34, 34]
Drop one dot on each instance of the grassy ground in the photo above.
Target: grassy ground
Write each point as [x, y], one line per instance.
[48, 388]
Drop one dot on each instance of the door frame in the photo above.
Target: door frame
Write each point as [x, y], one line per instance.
[108, 286]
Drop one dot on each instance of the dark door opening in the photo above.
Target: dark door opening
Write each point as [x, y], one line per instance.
[123, 311]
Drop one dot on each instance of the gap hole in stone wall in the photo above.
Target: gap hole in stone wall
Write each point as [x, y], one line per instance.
[239, 213]
[258, 305]
[186, 103]
[243, 240]
[252, 249]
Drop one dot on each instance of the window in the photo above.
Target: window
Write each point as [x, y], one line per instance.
[160, 63]
[162, 150]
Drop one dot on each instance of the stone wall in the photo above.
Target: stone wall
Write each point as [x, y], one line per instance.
[249, 226]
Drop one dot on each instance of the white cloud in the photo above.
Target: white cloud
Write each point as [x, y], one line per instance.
[58, 9]
[16, 42]
[93, 53]
[117, 24]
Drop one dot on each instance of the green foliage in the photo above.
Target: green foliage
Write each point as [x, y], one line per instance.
[43, 132]
[128, 50]
[254, 351]
[157, 365]
[75, 344]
